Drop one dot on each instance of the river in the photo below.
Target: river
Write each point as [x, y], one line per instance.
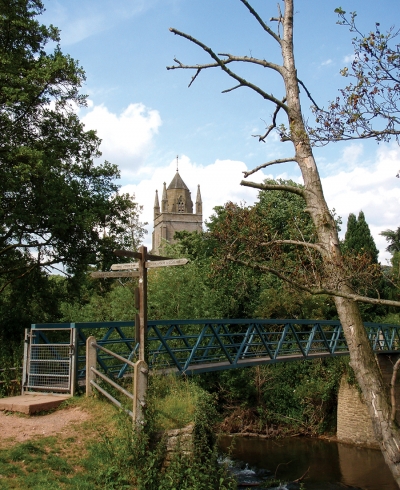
[328, 465]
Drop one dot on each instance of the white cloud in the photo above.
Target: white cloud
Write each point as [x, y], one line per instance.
[327, 62]
[127, 137]
[219, 183]
[349, 58]
[373, 189]
[79, 20]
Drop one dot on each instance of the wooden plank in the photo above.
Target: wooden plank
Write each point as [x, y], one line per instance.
[108, 275]
[137, 255]
[125, 267]
[157, 257]
[166, 263]
[127, 253]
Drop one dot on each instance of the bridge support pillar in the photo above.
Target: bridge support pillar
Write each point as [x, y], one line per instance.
[353, 421]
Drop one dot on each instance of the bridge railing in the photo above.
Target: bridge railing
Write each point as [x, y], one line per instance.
[195, 346]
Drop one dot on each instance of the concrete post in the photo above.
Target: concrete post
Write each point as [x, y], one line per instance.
[91, 360]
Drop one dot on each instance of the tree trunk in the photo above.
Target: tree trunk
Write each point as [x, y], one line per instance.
[361, 355]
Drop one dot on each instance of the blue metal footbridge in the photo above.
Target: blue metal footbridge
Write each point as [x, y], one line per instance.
[198, 346]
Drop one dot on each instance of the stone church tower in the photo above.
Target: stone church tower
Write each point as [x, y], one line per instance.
[175, 213]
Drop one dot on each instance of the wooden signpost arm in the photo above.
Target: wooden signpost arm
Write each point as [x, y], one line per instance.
[138, 255]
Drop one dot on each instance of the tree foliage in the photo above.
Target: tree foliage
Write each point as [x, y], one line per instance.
[55, 202]
[393, 237]
[368, 107]
[393, 274]
[277, 236]
[358, 239]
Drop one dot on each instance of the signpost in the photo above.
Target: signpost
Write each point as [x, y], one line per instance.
[146, 261]
[114, 275]
[166, 263]
[124, 267]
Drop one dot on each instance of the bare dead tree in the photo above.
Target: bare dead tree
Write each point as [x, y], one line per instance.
[327, 244]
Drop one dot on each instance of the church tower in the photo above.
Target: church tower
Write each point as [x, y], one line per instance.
[175, 213]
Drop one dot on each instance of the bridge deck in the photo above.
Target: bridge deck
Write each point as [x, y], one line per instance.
[196, 346]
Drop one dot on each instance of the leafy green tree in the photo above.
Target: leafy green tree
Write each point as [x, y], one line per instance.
[253, 231]
[30, 300]
[393, 237]
[358, 239]
[55, 202]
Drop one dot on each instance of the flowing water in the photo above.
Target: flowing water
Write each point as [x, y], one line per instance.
[326, 465]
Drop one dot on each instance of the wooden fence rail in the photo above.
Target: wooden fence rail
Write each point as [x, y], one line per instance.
[137, 398]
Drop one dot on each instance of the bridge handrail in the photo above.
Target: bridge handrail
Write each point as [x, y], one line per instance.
[233, 321]
[200, 344]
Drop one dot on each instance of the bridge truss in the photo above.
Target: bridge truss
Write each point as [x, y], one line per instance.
[198, 346]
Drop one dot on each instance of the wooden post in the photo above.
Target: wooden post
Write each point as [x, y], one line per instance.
[25, 365]
[142, 303]
[139, 392]
[74, 360]
[91, 360]
[141, 369]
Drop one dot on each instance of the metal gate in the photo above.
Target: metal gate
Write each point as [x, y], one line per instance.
[49, 361]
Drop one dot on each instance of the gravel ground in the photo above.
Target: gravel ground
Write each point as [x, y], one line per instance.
[19, 428]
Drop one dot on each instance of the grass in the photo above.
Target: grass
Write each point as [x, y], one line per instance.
[64, 462]
[175, 402]
[104, 453]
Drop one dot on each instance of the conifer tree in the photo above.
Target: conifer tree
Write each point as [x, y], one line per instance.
[358, 239]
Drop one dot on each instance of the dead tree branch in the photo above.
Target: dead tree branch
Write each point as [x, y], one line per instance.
[272, 125]
[268, 164]
[315, 246]
[261, 22]
[274, 187]
[222, 64]
[308, 94]
[315, 291]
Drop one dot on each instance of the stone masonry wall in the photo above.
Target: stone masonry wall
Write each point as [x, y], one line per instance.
[353, 422]
[354, 425]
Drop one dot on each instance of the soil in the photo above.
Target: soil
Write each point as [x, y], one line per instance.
[19, 428]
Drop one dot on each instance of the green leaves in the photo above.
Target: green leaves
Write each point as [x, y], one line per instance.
[368, 107]
[339, 11]
[358, 239]
[57, 205]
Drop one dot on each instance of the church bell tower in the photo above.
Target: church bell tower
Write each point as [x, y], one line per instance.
[176, 213]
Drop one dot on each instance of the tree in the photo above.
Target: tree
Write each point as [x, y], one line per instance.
[332, 270]
[55, 201]
[368, 107]
[358, 239]
[393, 237]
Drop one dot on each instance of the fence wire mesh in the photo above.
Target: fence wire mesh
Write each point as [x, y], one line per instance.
[49, 362]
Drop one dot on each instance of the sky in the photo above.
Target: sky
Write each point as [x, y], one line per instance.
[146, 115]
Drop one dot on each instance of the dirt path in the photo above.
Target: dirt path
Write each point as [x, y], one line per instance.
[19, 428]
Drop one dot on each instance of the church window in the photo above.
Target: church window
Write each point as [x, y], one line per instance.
[181, 205]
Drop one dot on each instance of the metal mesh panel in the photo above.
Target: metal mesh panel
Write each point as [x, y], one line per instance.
[48, 365]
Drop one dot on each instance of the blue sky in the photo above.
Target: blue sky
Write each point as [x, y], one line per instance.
[146, 115]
